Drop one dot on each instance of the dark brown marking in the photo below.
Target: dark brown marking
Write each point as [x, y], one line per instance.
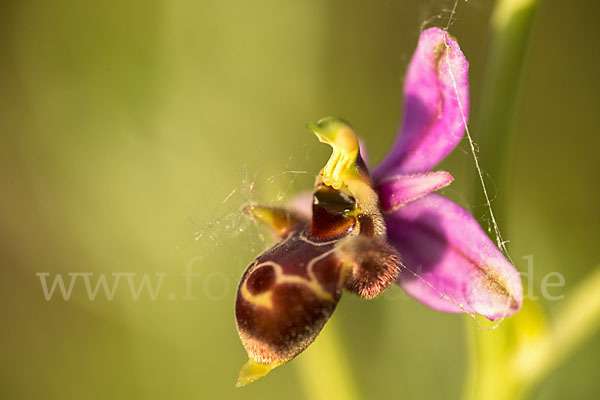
[327, 271]
[261, 279]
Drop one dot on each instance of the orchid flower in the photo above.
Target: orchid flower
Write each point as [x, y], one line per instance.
[369, 230]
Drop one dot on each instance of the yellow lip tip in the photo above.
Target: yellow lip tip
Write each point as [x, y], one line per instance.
[252, 371]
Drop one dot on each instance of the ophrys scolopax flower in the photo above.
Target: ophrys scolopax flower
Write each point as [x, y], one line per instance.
[366, 231]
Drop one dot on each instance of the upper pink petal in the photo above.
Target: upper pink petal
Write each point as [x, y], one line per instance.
[451, 264]
[436, 106]
[396, 191]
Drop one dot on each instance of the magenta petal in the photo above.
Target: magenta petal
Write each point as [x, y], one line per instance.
[433, 114]
[396, 191]
[451, 264]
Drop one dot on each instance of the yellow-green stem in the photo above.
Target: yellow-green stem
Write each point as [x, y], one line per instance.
[325, 370]
[574, 322]
[508, 361]
[510, 27]
[491, 375]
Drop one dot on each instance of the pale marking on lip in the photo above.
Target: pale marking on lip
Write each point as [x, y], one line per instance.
[265, 299]
[302, 236]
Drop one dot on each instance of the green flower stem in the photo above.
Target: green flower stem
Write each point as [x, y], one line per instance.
[324, 368]
[510, 26]
[488, 376]
[575, 321]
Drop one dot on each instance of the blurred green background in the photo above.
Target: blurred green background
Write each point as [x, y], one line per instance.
[126, 126]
